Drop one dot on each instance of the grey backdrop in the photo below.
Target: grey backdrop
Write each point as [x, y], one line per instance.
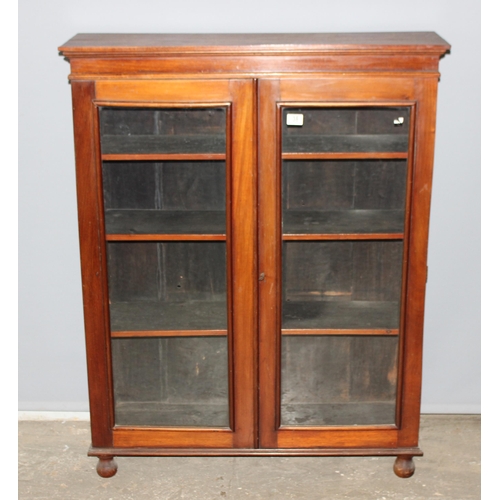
[52, 372]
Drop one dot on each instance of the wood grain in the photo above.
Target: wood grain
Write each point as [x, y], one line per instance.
[163, 157]
[167, 333]
[93, 265]
[343, 156]
[252, 452]
[176, 437]
[284, 43]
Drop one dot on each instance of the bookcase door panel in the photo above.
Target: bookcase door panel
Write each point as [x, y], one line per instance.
[172, 181]
[168, 303]
[339, 198]
[342, 264]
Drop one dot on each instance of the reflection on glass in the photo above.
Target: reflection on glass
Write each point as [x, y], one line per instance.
[165, 197]
[167, 286]
[338, 380]
[162, 131]
[344, 196]
[171, 382]
[350, 130]
[341, 284]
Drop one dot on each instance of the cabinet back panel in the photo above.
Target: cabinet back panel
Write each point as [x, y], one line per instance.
[167, 286]
[166, 271]
[342, 270]
[133, 121]
[327, 185]
[165, 186]
[341, 284]
[333, 121]
[346, 130]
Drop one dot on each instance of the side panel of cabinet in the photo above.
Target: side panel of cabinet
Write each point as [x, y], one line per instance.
[414, 101]
[238, 97]
[92, 264]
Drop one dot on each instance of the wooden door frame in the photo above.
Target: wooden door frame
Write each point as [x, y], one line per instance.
[239, 95]
[420, 93]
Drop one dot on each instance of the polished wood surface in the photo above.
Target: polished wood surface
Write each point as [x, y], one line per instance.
[254, 78]
[123, 334]
[343, 156]
[164, 157]
[165, 237]
[255, 452]
[92, 265]
[276, 43]
[132, 56]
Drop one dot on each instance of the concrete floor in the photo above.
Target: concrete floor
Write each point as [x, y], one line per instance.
[53, 465]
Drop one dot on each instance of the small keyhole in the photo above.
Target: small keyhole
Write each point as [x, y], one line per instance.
[262, 276]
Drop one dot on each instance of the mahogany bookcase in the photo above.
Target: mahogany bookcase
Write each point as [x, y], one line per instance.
[253, 216]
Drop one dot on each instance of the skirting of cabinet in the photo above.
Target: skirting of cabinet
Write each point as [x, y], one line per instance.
[255, 452]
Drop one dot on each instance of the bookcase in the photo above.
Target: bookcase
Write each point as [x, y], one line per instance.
[253, 215]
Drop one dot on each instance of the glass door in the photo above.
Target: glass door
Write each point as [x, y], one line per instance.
[344, 176]
[164, 186]
[172, 228]
[332, 311]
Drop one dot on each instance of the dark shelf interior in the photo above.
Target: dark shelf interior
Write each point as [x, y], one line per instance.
[165, 222]
[343, 221]
[177, 381]
[366, 143]
[155, 315]
[348, 130]
[162, 130]
[340, 314]
[163, 144]
[338, 380]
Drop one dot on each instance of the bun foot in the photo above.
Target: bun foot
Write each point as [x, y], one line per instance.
[106, 467]
[404, 466]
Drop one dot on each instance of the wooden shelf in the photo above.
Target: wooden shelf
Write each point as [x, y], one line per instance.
[192, 146]
[167, 333]
[356, 224]
[366, 143]
[163, 157]
[340, 316]
[344, 156]
[162, 222]
[357, 413]
[342, 331]
[149, 318]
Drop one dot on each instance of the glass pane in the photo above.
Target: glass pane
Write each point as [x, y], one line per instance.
[167, 131]
[337, 380]
[341, 284]
[167, 286]
[320, 130]
[171, 381]
[165, 197]
[334, 197]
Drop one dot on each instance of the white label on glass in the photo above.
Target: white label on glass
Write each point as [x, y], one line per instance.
[295, 119]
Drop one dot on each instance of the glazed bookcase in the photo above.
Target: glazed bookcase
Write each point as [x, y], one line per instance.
[253, 214]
